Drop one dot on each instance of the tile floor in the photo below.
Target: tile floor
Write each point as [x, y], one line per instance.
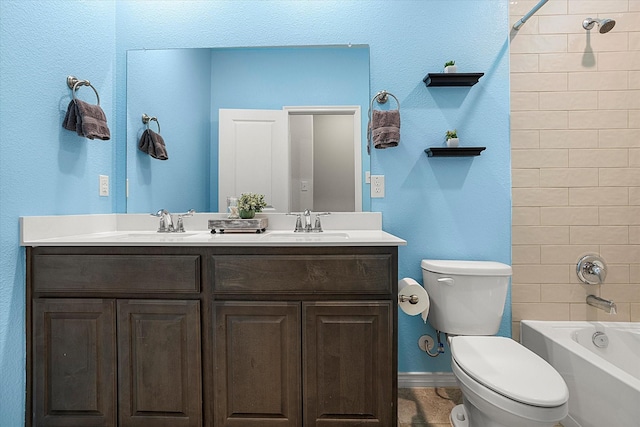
[427, 407]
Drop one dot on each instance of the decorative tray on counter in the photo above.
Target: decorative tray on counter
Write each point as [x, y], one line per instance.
[254, 225]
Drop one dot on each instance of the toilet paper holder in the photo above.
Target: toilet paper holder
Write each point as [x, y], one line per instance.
[413, 299]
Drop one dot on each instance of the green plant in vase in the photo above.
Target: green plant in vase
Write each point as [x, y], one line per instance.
[249, 204]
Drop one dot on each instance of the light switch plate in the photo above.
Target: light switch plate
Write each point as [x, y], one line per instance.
[104, 185]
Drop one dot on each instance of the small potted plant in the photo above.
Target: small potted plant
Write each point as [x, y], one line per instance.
[249, 204]
[452, 138]
[450, 67]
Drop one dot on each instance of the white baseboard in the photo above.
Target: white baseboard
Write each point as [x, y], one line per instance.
[426, 379]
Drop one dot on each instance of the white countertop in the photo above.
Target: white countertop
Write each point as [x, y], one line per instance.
[340, 229]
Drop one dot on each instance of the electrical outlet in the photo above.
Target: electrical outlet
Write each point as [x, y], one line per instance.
[377, 186]
[104, 185]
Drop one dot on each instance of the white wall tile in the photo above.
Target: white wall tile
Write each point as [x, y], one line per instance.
[560, 24]
[564, 254]
[575, 92]
[530, 43]
[521, 139]
[524, 101]
[536, 82]
[580, 100]
[539, 120]
[600, 235]
[634, 78]
[564, 62]
[597, 119]
[618, 138]
[522, 159]
[552, 215]
[593, 41]
[601, 157]
[568, 177]
[634, 156]
[634, 119]
[619, 215]
[540, 197]
[540, 235]
[620, 177]
[613, 61]
[524, 63]
[525, 254]
[600, 80]
[595, 7]
[521, 7]
[574, 138]
[523, 215]
[619, 100]
[599, 196]
[526, 178]
[621, 253]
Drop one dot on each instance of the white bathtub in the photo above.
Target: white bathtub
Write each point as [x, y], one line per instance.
[604, 383]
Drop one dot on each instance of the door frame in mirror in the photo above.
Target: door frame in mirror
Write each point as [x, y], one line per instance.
[352, 110]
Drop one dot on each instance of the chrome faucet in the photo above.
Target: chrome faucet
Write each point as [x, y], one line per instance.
[591, 269]
[307, 228]
[603, 304]
[166, 221]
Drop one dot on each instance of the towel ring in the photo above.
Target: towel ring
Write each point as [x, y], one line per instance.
[74, 83]
[381, 98]
[146, 119]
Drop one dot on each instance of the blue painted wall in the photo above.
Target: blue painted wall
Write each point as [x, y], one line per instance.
[174, 86]
[444, 208]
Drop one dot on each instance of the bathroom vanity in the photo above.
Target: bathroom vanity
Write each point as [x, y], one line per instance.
[138, 329]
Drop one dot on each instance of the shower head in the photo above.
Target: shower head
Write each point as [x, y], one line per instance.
[605, 25]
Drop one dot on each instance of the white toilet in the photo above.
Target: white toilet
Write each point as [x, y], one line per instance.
[503, 383]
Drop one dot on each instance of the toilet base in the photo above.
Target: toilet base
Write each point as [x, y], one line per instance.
[458, 417]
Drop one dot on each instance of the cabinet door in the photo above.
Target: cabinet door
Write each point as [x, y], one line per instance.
[74, 362]
[159, 364]
[348, 364]
[257, 364]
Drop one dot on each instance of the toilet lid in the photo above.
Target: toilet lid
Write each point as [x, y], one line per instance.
[510, 369]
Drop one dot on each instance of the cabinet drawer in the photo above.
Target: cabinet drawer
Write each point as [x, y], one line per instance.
[300, 274]
[126, 273]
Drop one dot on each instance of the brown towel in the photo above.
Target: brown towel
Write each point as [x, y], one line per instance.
[385, 128]
[153, 144]
[86, 120]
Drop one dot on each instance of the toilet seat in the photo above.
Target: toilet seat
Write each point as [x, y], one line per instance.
[509, 369]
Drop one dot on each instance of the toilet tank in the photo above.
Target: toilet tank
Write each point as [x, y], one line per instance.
[467, 297]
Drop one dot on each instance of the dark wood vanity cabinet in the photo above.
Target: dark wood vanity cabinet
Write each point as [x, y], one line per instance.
[212, 336]
[115, 338]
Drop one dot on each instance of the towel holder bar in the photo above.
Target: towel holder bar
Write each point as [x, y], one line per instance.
[381, 98]
[146, 119]
[74, 83]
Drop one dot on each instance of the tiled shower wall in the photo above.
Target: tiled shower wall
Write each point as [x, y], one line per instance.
[575, 146]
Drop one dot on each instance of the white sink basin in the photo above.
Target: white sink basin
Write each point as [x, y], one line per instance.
[290, 236]
[149, 236]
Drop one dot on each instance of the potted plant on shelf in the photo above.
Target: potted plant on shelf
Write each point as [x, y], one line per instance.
[249, 204]
[450, 67]
[452, 138]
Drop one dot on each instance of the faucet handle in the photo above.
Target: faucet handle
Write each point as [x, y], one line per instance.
[164, 226]
[298, 222]
[318, 226]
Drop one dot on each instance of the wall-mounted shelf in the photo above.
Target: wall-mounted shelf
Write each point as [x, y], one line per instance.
[452, 79]
[454, 151]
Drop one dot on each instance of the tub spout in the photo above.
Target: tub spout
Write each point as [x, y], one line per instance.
[603, 304]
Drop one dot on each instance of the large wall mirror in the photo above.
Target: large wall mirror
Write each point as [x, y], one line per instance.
[321, 91]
